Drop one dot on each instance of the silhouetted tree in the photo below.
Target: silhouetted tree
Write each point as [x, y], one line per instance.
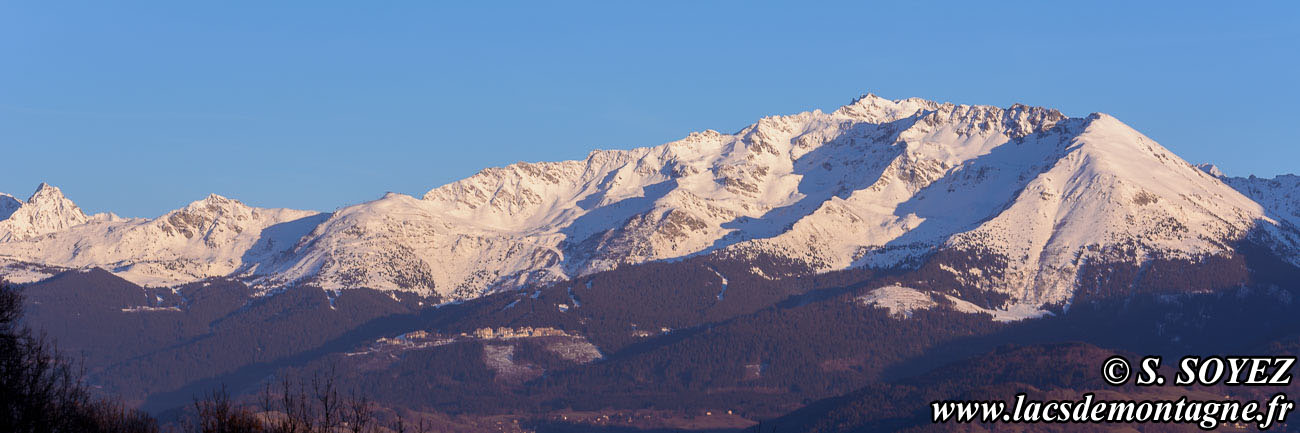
[41, 391]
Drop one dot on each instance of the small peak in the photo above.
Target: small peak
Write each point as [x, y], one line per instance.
[105, 216]
[1020, 109]
[1210, 169]
[212, 203]
[866, 98]
[1026, 108]
[873, 108]
[391, 197]
[867, 102]
[215, 198]
[1102, 120]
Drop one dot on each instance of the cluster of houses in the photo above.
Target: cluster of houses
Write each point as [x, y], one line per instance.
[524, 332]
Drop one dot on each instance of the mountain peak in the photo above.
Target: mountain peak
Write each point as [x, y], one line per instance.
[200, 217]
[875, 109]
[219, 200]
[45, 191]
[213, 203]
[866, 97]
[46, 211]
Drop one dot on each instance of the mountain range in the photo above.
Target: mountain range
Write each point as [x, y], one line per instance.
[820, 272]
[1034, 195]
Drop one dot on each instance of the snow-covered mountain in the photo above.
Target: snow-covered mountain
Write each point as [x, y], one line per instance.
[215, 236]
[46, 211]
[876, 183]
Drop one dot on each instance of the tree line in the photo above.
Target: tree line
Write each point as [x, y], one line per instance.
[43, 391]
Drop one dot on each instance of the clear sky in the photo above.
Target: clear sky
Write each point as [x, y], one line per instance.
[138, 108]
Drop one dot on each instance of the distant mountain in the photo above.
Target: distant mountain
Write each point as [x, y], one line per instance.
[46, 211]
[215, 236]
[1015, 203]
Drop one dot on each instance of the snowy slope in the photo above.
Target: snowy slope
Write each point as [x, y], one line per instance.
[878, 183]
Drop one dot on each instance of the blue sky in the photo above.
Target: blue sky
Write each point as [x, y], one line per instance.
[140, 107]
